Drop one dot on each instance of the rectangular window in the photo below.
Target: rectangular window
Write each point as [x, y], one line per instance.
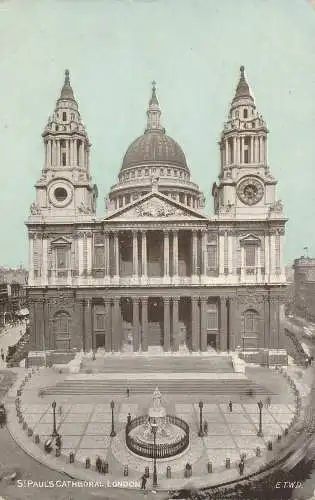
[61, 257]
[64, 159]
[212, 317]
[64, 116]
[100, 322]
[212, 257]
[99, 257]
[250, 254]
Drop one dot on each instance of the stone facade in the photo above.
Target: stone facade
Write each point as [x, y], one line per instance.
[304, 288]
[156, 272]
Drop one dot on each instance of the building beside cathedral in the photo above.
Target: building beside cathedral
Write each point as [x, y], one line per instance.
[156, 273]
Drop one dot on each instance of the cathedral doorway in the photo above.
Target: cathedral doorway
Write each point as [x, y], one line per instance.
[250, 329]
[61, 331]
[155, 321]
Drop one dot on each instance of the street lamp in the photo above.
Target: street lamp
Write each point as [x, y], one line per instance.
[200, 433]
[54, 432]
[260, 406]
[112, 432]
[154, 429]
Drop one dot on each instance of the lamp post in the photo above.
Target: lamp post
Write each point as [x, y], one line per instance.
[112, 432]
[54, 432]
[200, 433]
[260, 406]
[154, 429]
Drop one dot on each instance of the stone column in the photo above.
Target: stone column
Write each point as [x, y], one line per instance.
[273, 321]
[31, 259]
[203, 322]
[204, 254]
[272, 253]
[81, 153]
[135, 257]
[116, 252]
[89, 243]
[223, 324]
[88, 325]
[242, 263]
[58, 154]
[48, 163]
[135, 324]
[256, 152]
[261, 157]
[238, 141]
[45, 324]
[175, 254]
[195, 320]
[116, 331]
[144, 323]
[281, 257]
[81, 254]
[230, 253]
[45, 260]
[167, 324]
[234, 150]
[144, 254]
[194, 254]
[221, 252]
[175, 324]
[67, 153]
[258, 264]
[227, 159]
[106, 254]
[267, 257]
[242, 149]
[251, 159]
[166, 255]
[108, 325]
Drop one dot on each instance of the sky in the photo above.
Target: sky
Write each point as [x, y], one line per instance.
[193, 49]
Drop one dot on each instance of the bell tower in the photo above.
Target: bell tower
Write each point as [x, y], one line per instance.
[65, 189]
[246, 188]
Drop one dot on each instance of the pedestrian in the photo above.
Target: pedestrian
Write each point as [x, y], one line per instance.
[2, 354]
[205, 427]
[143, 481]
[98, 464]
[230, 406]
[103, 467]
[241, 466]
[128, 419]
[268, 402]
[127, 392]
[60, 410]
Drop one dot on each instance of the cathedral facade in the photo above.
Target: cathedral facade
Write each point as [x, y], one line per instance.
[155, 273]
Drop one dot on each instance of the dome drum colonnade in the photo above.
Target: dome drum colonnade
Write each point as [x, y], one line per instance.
[155, 248]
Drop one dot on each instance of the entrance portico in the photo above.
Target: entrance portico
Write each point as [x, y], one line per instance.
[136, 323]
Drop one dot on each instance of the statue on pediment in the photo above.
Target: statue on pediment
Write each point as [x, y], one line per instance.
[157, 209]
[35, 210]
[83, 209]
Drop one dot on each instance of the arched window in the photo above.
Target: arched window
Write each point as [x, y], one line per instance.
[64, 116]
[61, 331]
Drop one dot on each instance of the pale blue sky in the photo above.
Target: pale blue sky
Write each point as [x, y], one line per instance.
[193, 49]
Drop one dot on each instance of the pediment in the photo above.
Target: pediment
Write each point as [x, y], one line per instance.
[155, 206]
[61, 241]
[250, 239]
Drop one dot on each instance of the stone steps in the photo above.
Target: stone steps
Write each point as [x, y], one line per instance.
[102, 387]
[159, 364]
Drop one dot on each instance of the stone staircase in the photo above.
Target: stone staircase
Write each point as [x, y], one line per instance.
[158, 364]
[94, 387]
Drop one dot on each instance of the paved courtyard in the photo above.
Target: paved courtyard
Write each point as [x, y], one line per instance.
[85, 430]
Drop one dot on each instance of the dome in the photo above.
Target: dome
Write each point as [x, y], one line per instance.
[154, 147]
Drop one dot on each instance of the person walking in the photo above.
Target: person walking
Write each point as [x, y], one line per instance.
[143, 481]
[268, 402]
[98, 464]
[205, 428]
[230, 406]
[241, 466]
[127, 392]
[2, 354]
[60, 410]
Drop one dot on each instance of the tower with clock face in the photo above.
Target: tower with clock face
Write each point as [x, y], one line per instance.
[65, 190]
[246, 188]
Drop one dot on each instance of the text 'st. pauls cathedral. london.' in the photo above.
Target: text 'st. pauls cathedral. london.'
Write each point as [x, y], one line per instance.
[155, 273]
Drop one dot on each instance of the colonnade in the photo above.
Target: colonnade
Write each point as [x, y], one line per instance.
[77, 154]
[233, 149]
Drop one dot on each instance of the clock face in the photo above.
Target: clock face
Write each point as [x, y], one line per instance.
[250, 191]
